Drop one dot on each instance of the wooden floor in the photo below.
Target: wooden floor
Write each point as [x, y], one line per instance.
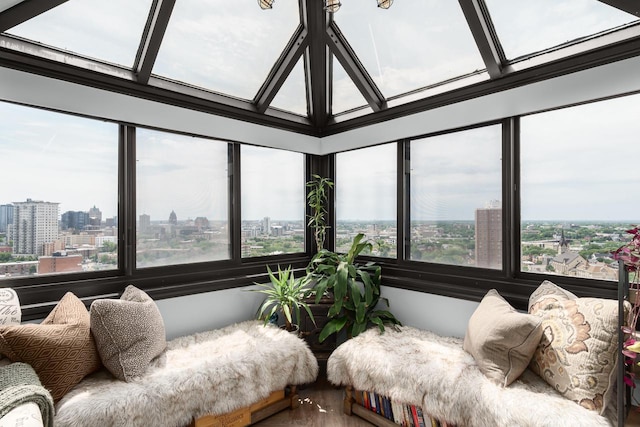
[320, 406]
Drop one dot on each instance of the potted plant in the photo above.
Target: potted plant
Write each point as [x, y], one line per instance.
[629, 255]
[355, 287]
[284, 294]
[317, 200]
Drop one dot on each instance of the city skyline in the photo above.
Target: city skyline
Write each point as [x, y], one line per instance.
[568, 170]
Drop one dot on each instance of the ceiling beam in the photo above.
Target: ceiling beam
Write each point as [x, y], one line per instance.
[341, 49]
[282, 68]
[629, 6]
[24, 11]
[151, 40]
[318, 68]
[479, 21]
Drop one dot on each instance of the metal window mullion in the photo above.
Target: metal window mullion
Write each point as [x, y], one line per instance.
[127, 200]
[282, 68]
[345, 54]
[24, 11]
[152, 36]
[510, 201]
[235, 208]
[484, 34]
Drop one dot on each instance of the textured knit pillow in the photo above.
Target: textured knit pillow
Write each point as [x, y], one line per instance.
[549, 291]
[501, 339]
[129, 332]
[577, 354]
[60, 349]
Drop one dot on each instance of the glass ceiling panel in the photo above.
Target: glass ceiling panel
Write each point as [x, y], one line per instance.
[88, 28]
[292, 96]
[225, 46]
[411, 45]
[345, 95]
[525, 27]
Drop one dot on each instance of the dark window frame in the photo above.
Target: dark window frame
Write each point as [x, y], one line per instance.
[39, 294]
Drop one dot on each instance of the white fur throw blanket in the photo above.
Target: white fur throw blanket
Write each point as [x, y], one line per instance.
[212, 372]
[421, 368]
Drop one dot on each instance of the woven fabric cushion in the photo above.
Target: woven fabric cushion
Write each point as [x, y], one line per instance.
[60, 349]
[577, 354]
[501, 339]
[549, 291]
[129, 332]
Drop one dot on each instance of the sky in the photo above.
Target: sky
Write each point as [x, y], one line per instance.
[571, 158]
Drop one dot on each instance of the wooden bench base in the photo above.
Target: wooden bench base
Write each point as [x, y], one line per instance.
[276, 402]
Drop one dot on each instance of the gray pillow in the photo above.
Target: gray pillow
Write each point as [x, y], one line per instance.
[501, 339]
[129, 332]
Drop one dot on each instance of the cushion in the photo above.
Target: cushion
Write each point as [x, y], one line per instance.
[60, 349]
[501, 339]
[578, 352]
[549, 291]
[129, 332]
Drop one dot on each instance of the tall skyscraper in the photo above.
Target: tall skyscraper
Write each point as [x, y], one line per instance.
[266, 225]
[489, 235]
[6, 217]
[34, 224]
[144, 223]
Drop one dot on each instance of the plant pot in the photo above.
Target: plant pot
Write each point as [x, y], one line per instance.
[295, 331]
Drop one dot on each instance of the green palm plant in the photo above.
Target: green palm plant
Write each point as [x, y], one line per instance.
[317, 200]
[355, 287]
[284, 294]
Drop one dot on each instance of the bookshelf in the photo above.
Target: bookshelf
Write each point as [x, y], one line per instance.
[381, 411]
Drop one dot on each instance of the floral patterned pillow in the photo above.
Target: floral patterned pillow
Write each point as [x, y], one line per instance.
[577, 354]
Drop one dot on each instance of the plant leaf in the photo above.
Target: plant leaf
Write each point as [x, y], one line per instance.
[332, 326]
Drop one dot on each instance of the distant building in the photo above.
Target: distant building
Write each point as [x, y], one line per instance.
[489, 236]
[144, 223]
[266, 225]
[6, 217]
[173, 218]
[76, 220]
[59, 263]
[567, 262]
[202, 223]
[277, 231]
[95, 217]
[34, 224]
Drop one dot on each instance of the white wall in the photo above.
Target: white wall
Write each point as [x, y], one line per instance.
[195, 313]
[443, 315]
[212, 310]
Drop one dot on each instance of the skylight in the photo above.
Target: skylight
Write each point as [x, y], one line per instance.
[280, 66]
[87, 28]
[225, 46]
[526, 27]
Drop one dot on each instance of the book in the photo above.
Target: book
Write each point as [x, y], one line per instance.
[414, 415]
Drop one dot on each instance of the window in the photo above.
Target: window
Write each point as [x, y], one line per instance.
[456, 187]
[182, 205]
[366, 198]
[273, 201]
[58, 205]
[578, 187]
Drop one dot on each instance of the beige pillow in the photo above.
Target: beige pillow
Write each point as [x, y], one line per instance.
[548, 292]
[129, 332]
[501, 339]
[60, 349]
[578, 352]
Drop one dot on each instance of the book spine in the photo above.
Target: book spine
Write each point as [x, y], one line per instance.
[414, 414]
[420, 416]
